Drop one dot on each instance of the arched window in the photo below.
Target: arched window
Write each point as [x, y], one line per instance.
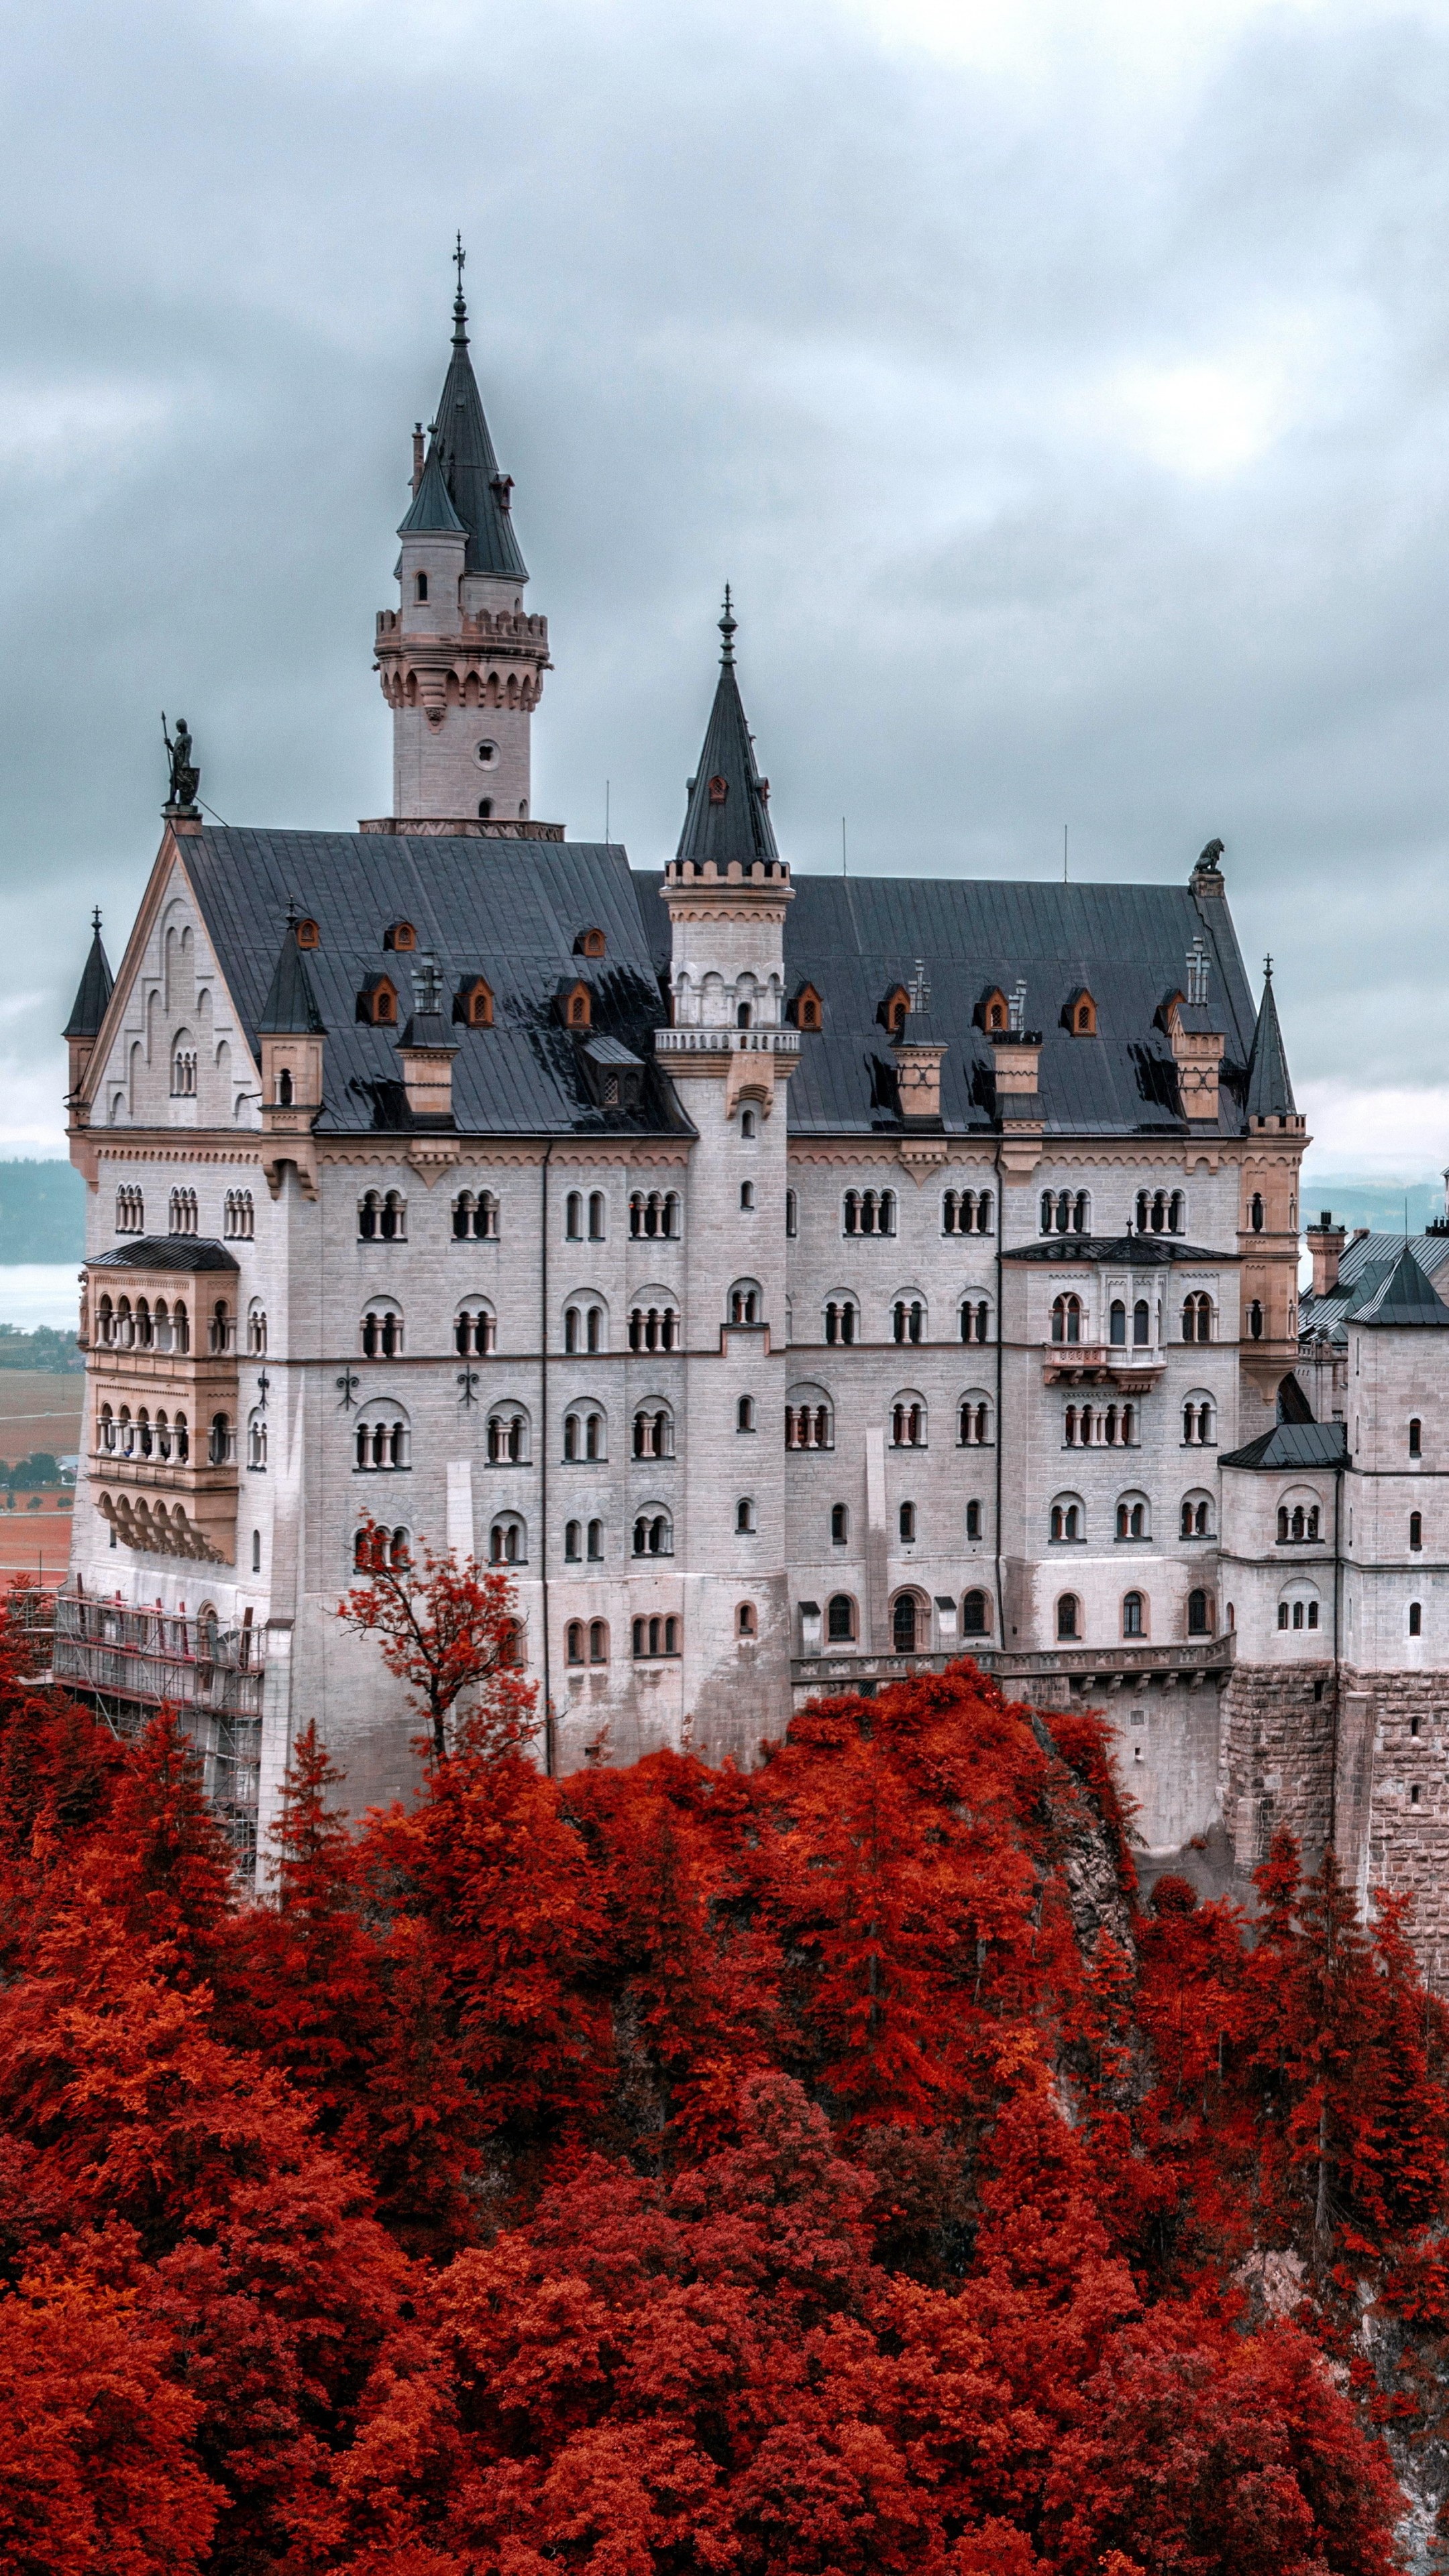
[1255, 1321]
[595, 1535]
[1066, 1319]
[1141, 1324]
[973, 1420]
[130, 1211]
[1200, 1614]
[1196, 1519]
[574, 1223]
[508, 1540]
[908, 1317]
[382, 1217]
[653, 1532]
[654, 1430]
[380, 1439]
[909, 1619]
[378, 1550]
[744, 1304]
[1069, 1616]
[1176, 1213]
[238, 1216]
[908, 1422]
[1066, 1521]
[1197, 1317]
[975, 1319]
[1199, 1420]
[220, 1339]
[745, 1521]
[973, 1520]
[1133, 1624]
[420, 586]
[475, 1217]
[574, 1635]
[573, 1542]
[654, 1214]
[183, 1068]
[809, 1421]
[747, 1197]
[906, 1524]
[256, 1331]
[1416, 1619]
[869, 1212]
[654, 1327]
[1117, 1323]
[584, 1328]
[839, 1619]
[596, 1216]
[221, 1443]
[598, 1641]
[1416, 1438]
[257, 1441]
[656, 1637]
[1416, 1531]
[382, 1329]
[745, 1413]
[976, 1613]
[182, 1218]
[1255, 1212]
[475, 1329]
[508, 1436]
[584, 1434]
[1134, 1519]
[841, 1319]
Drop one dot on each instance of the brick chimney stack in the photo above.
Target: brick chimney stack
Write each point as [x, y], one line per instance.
[1325, 1242]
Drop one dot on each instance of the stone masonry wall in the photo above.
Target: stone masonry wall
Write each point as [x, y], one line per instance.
[1277, 1758]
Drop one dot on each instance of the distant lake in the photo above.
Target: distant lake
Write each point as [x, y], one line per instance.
[40, 1292]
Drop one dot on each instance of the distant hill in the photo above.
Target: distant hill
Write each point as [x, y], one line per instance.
[1379, 1205]
[42, 1213]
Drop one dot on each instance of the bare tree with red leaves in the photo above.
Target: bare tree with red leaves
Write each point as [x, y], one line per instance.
[448, 1627]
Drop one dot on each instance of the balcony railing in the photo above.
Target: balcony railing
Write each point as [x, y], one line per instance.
[1131, 1366]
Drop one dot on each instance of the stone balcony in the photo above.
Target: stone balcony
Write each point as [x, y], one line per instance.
[1128, 1368]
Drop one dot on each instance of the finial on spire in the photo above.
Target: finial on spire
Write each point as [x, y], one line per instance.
[1268, 969]
[727, 627]
[96, 920]
[460, 309]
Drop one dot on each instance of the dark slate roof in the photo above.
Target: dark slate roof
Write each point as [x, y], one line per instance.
[1123, 1251]
[1363, 1269]
[1404, 1297]
[432, 513]
[290, 1009]
[1293, 1444]
[737, 824]
[476, 489]
[166, 1252]
[89, 1007]
[857, 938]
[1270, 1092]
[509, 910]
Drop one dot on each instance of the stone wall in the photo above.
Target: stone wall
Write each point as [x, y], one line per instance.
[1276, 1753]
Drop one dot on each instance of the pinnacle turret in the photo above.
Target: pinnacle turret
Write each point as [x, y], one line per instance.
[1270, 1091]
[89, 1007]
[728, 816]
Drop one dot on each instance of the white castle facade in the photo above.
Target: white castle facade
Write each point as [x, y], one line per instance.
[794, 1282]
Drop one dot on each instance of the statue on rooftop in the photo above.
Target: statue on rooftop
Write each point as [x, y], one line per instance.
[185, 776]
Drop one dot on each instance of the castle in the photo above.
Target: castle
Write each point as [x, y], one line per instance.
[794, 1281]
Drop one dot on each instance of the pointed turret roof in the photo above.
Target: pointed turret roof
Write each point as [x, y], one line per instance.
[1407, 1296]
[1270, 1092]
[89, 1007]
[432, 513]
[290, 1009]
[476, 490]
[728, 814]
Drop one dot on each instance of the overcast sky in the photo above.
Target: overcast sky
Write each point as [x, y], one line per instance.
[1064, 389]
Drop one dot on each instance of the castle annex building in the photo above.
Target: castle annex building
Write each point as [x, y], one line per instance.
[792, 1281]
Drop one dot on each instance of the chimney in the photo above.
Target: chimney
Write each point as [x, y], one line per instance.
[1325, 1242]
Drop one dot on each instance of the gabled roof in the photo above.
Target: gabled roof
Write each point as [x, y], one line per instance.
[290, 1009]
[476, 490]
[727, 816]
[1366, 1263]
[1270, 1093]
[89, 1007]
[1404, 1297]
[1293, 1444]
[432, 513]
[165, 1252]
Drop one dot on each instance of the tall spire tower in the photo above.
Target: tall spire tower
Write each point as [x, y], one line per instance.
[460, 659]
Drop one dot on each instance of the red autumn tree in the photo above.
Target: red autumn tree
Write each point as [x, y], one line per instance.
[448, 1628]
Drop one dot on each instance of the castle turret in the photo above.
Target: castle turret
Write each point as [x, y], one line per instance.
[87, 1012]
[1268, 1223]
[460, 659]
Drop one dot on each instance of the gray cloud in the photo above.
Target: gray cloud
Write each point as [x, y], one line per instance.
[1077, 448]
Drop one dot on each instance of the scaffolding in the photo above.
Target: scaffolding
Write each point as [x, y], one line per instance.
[127, 1661]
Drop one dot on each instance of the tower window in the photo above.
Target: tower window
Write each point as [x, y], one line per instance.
[1416, 1619]
[839, 1524]
[422, 586]
[1416, 1438]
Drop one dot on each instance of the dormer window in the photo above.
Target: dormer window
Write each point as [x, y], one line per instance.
[719, 789]
[422, 586]
[995, 1012]
[807, 1010]
[590, 943]
[1080, 1015]
[576, 1006]
[400, 934]
[308, 934]
[895, 1010]
[377, 1002]
[473, 1004]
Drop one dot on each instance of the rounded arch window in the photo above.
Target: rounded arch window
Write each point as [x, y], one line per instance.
[1200, 1612]
[475, 1217]
[908, 1420]
[1067, 1318]
[585, 1433]
[1197, 1316]
[746, 1621]
[654, 1320]
[910, 1623]
[1134, 1615]
[840, 1620]
[1196, 1516]
[653, 1533]
[1199, 1420]
[475, 1329]
[976, 1613]
[381, 1438]
[508, 1436]
[585, 1325]
[654, 1428]
[508, 1539]
[1067, 1520]
[745, 1302]
[1134, 1516]
[381, 1329]
[973, 1419]
[1069, 1616]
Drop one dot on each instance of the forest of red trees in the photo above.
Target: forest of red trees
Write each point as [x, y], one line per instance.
[821, 2167]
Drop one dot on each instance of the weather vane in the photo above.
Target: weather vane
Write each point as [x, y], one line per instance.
[459, 257]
